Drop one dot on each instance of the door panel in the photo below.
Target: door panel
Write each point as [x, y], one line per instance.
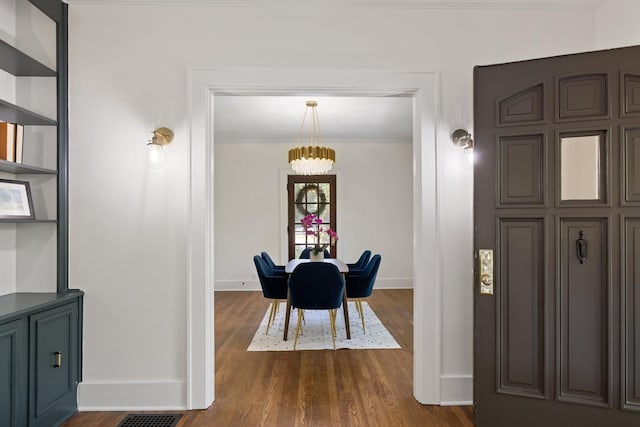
[13, 374]
[581, 97]
[524, 107]
[522, 363]
[584, 313]
[521, 165]
[558, 342]
[631, 94]
[631, 300]
[54, 363]
[631, 166]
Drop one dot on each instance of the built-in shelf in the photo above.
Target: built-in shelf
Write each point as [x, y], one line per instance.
[19, 64]
[21, 168]
[13, 114]
[39, 325]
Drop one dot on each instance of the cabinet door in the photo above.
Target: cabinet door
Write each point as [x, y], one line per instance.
[13, 374]
[54, 365]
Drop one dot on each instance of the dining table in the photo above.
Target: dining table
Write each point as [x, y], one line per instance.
[342, 268]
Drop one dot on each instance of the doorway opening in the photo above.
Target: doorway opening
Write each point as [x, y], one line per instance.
[205, 86]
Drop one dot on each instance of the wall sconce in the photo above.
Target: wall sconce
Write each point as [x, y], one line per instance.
[155, 148]
[462, 138]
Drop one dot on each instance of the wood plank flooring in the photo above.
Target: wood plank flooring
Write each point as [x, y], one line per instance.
[309, 388]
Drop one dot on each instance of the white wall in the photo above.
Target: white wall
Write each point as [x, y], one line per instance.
[374, 201]
[128, 68]
[7, 257]
[616, 24]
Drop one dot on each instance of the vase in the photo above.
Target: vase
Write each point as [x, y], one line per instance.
[316, 256]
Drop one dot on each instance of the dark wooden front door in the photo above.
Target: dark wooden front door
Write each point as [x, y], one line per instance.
[310, 194]
[557, 200]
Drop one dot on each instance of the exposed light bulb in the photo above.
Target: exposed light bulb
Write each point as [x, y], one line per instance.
[155, 154]
[156, 157]
[468, 152]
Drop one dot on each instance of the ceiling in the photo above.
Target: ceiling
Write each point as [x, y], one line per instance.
[342, 119]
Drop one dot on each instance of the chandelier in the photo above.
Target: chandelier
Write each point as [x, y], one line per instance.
[312, 159]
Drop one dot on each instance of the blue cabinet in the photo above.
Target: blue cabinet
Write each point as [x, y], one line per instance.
[53, 362]
[13, 373]
[40, 357]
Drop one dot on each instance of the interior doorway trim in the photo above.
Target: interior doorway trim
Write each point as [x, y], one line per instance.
[203, 86]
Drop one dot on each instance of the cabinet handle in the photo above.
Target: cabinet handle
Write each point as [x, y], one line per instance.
[58, 356]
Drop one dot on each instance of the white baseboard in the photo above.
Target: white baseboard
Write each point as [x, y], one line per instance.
[254, 285]
[456, 390]
[132, 396]
[237, 285]
[397, 283]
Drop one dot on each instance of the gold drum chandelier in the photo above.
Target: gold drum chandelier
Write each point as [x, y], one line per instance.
[312, 159]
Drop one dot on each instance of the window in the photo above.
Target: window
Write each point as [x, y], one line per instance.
[313, 194]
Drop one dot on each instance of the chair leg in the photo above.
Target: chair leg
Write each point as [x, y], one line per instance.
[295, 340]
[359, 305]
[332, 319]
[301, 315]
[272, 314]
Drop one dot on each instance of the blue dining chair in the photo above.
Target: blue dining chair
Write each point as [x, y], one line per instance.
[316, 286]
[361, 263]
[274, 287]
[360, 284]
[279, 269]
[306, 253]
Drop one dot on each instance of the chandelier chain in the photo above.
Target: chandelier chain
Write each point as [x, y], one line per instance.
[304, 117]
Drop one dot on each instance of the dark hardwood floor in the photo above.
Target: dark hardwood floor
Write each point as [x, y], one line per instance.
[308, 388]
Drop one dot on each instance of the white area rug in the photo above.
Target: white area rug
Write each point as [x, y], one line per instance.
[316, 332]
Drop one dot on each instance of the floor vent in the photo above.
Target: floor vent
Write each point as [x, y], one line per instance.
[150, 420]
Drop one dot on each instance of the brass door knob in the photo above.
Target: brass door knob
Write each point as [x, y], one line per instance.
[485, 279]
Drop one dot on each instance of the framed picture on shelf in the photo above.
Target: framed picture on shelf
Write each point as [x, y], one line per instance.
[15, 200]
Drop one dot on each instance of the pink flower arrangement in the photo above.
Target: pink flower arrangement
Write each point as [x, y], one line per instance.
[313, 227]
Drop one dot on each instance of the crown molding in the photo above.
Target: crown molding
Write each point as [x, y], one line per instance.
[330, 142]
[386, 4]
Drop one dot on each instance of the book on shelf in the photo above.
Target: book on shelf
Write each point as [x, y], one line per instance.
[19, 142]
[8, 141]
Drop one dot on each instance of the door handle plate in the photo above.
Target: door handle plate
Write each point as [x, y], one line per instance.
[485, 259]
